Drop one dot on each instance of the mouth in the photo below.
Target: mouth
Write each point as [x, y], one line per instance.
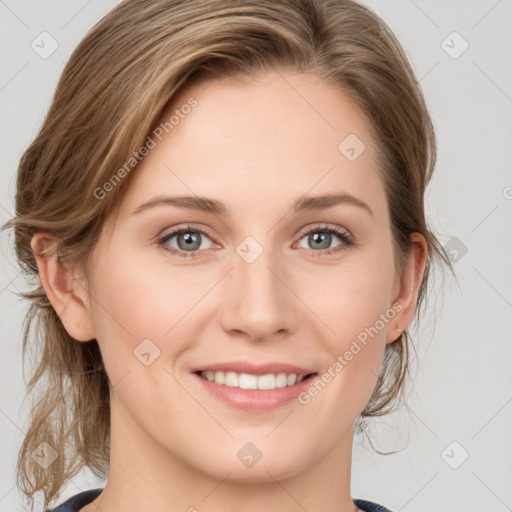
[267, 381]
[254, 387]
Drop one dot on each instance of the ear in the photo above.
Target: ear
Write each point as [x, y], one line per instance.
[407, 287]
[65, 292]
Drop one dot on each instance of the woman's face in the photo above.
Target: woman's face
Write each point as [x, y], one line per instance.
[264, 280]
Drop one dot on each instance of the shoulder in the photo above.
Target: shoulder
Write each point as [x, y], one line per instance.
[369, 506]
[76, 502]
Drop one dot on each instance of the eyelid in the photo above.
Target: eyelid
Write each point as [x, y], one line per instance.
[187, 226]
[325, 227]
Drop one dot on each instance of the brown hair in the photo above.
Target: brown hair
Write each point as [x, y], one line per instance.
[110, 96]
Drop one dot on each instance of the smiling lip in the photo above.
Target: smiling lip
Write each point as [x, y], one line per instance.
[252, 368]
[254, 399]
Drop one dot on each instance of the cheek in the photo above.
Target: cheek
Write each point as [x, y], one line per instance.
[139, 298]
[351, 298]
[354, 303]
[130, 305]
[134, 304]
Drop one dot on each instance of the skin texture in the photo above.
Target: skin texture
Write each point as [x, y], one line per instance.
[257, 148]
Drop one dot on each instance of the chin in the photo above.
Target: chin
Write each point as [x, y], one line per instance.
[247, 464]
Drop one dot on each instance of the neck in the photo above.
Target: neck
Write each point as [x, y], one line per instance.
[144, 475]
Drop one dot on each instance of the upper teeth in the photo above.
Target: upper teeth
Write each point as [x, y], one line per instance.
[249, 381]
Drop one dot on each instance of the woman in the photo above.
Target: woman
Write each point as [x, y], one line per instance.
[224, 208]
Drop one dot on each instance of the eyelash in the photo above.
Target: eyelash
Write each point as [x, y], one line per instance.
[347, 240]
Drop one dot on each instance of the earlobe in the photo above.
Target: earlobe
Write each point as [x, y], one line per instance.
[408, 287]
[66, 294]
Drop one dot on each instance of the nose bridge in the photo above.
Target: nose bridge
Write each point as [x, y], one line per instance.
[259, 303]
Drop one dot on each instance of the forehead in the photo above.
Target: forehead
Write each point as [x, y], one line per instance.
[278, 134]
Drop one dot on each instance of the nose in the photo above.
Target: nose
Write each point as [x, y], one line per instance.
[258, 298]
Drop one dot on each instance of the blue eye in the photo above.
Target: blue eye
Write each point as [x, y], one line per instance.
[190, 241]
[322, 237]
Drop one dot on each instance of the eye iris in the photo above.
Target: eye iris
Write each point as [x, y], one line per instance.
[190, 239]
[321, 237]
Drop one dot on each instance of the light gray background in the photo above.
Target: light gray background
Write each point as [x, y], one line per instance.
[462, 388]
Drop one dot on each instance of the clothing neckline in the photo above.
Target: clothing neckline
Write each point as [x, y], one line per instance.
[83, 498]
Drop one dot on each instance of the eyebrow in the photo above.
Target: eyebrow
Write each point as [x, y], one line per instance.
[327, 201]
[204, 204]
